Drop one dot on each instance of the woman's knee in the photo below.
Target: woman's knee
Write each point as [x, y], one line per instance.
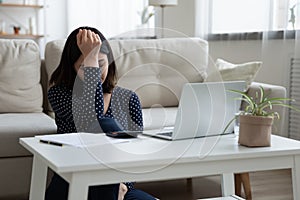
[135, 194]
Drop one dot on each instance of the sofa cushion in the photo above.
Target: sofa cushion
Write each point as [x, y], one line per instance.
[53, 51]
[226, 71]
[16, 125]
[20, 88]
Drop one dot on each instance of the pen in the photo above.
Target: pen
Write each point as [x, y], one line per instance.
[52, 143]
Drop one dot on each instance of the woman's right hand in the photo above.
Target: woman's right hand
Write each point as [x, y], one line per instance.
[89, 44]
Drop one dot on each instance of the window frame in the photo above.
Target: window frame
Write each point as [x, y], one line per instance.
[257, 35]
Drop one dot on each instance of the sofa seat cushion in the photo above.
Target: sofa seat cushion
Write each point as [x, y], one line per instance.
[20, 70]
[16, 125]
[155, 118]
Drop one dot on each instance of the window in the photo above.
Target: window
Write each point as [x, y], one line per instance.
[111, 17]
[237, 16]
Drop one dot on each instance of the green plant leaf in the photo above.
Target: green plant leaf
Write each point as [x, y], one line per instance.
[257, 106]
[230, 122]
[245, 98]
[262, 94]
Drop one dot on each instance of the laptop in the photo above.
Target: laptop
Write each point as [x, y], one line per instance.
[205, 109]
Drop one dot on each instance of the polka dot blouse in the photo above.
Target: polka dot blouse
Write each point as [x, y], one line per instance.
[76, 110]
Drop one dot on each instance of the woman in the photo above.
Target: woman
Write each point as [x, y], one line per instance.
[83, 92]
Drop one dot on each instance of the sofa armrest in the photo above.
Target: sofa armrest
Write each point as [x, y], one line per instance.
[274, 91]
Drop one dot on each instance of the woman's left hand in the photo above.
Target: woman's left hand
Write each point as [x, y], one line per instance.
[122, 191]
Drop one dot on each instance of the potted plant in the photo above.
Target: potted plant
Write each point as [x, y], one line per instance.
[257, 118]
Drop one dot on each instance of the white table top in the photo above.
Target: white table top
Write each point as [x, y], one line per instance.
[145, 152]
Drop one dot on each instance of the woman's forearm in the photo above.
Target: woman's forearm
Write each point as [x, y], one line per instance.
[85, 112]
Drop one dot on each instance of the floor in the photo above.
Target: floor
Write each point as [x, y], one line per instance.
[265, 185]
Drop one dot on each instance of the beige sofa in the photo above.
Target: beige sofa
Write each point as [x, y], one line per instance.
[155, 69]
[21, 113]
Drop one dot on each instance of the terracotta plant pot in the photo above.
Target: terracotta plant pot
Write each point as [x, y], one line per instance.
[255, 131]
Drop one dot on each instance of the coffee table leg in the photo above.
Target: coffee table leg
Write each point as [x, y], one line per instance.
[227, 184]
[78, 189]
[296, 178]
[38, 179]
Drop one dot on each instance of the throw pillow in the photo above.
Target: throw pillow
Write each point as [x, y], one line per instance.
[20, 88]
[227, 71]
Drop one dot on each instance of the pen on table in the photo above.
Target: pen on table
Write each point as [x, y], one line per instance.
[52, 143]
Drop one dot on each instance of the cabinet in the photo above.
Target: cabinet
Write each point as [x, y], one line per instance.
[29, 18]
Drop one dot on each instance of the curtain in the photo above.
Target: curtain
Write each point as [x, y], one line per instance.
[111, 17]
[271, 37]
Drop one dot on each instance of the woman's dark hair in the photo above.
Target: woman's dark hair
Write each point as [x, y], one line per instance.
[65, 73]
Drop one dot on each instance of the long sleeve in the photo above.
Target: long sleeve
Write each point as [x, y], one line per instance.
[77, 109]
[135, 112]
[60, 99]
[90, 106]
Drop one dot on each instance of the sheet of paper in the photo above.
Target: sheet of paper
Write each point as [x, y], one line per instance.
[81, 139]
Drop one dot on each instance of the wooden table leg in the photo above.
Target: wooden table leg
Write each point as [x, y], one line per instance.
[246, 185]
[243, 179]
[237, 184]
[189, 184]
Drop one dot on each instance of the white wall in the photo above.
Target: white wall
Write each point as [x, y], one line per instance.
[181, 18]
[56, 19]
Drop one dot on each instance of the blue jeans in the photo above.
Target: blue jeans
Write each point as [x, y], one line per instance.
[58, 190]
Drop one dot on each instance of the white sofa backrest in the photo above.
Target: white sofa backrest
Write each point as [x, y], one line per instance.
[155, 69]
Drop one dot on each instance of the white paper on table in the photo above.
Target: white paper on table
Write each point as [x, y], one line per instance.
[81, 139]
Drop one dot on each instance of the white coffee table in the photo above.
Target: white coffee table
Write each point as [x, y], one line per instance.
[149, 159]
